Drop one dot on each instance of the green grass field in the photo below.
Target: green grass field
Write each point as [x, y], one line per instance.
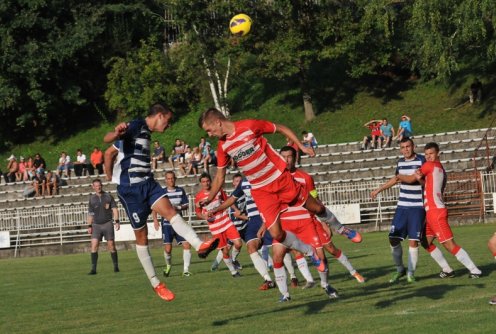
[54, 294]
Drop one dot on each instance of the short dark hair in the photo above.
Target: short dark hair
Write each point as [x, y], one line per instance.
[210, 113]
[97, 180]
[406, 139]
[238, 175]
[304, 132]
[430, 145]
[288, 148]
[159, 108]
[171, 172]
[205, 175]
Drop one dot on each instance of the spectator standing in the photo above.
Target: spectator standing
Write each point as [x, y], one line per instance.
[387, 133]
[96, 159]
[375, 134]
[12, 169]
[309, 139]
[103, 217]
[80, 165]
[158, 154]
[475, 94]
[64, 165]
[405, 128]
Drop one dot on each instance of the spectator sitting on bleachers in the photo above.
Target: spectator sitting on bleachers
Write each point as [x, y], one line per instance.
[404, 129]
[387, 133]
[208, 154]
[375, 135]
[186, 162]
[64, 165]
[30, 170]
[96, 159]
[195, 162]
[21, 172]
[177, 153]
[39, 182]
[309, 139]
[12, 169]
[158, 154]
[80, 165]
[38, 162]
[52, 183]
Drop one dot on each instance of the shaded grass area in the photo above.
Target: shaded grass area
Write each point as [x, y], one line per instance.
[54, 294]
[342, 108]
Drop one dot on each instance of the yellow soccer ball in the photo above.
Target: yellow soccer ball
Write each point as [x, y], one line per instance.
[240, 25]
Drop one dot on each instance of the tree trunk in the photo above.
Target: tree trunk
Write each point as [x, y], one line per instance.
[307, 98]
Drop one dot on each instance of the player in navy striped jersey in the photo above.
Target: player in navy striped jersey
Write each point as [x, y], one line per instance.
[255, 233]
[409, 217]
[179, 200]
[139, 193]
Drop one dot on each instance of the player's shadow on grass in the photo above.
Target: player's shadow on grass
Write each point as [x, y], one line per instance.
[311, 308]
[433, 292]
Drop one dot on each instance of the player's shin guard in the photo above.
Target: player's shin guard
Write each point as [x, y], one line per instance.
[343, 259]
[462, 256]
[303, 268]
[281, 278]
[234, 253]
[291, 241]
[324, 278]
[229, 264]
[438, 256]
[288, 263]
[147, 264]
[186, 231]
[397, 252]
[94, 261]
[412, 259]
[186, 260]
[331, 220]
[260, 265]
[167, 257]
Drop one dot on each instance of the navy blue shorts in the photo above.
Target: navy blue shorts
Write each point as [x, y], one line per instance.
[138, 200]
[168, 234]
[408, 222]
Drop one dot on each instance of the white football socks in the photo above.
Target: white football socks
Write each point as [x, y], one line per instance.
[185, 231]
[260, 266]
[303, 268]
[186, 259]
[397, 253]
[147, 264]
[412, 260]
[438, 256]
[288, 263]
[465, 259]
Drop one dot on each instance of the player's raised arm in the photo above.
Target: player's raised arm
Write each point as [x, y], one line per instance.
[108, 162]
[285, 131]
[119, 130]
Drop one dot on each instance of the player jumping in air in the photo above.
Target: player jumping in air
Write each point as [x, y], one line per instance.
[273, 187]
[139, 193]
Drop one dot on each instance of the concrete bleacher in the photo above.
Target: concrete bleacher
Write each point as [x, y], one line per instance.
[343, 162]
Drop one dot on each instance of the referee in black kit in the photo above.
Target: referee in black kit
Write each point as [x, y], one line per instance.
[102, 217]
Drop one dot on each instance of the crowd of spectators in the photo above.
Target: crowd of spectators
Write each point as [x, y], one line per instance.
[382, 133]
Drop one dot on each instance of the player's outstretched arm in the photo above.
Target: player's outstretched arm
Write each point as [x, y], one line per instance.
[288, 133]
[392, 181]
[226, 204]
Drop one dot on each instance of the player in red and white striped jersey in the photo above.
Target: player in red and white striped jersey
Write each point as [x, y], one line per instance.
[220, 224]
[434, 175]
[273, 187]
